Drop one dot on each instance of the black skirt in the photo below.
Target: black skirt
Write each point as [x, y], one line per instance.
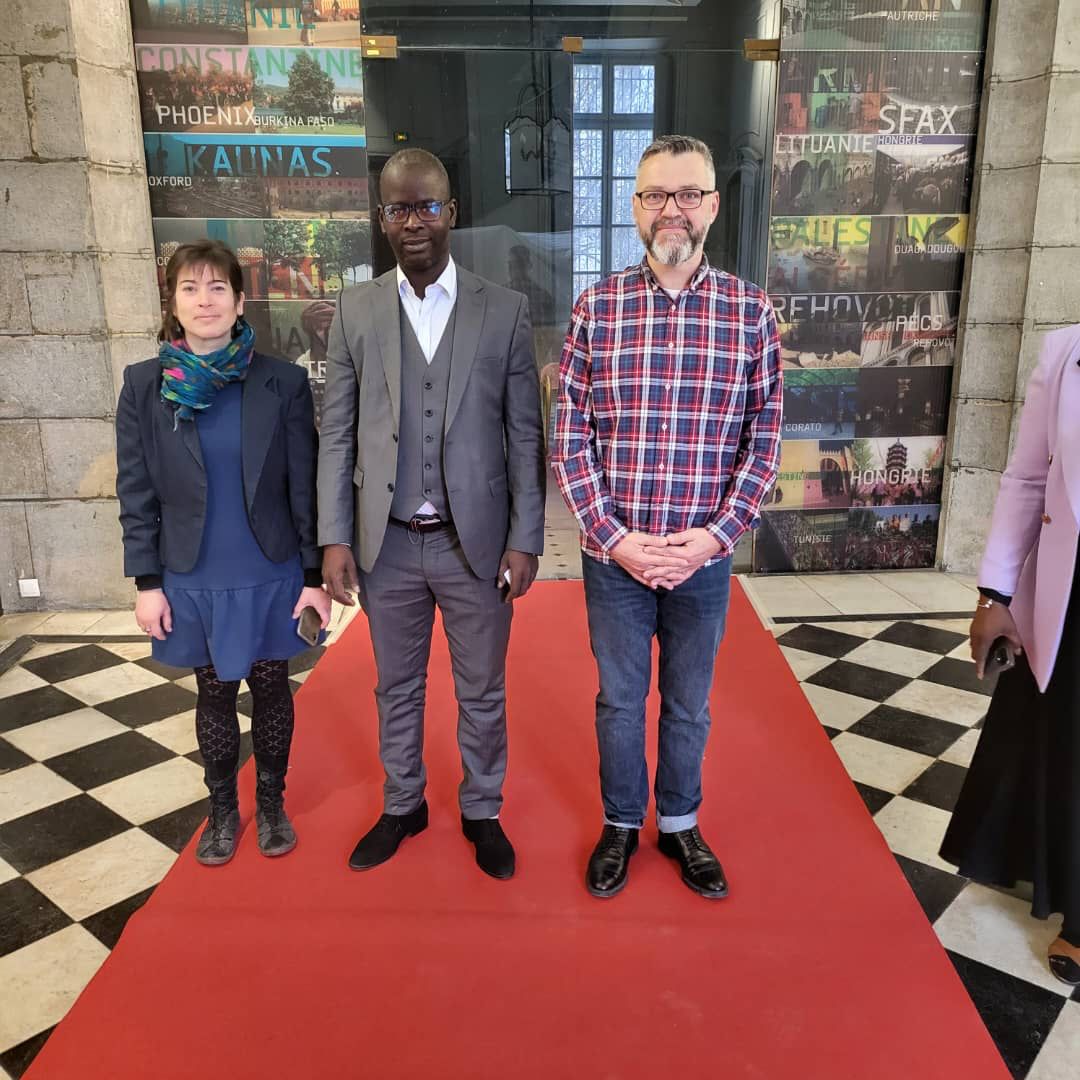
[1018, 815]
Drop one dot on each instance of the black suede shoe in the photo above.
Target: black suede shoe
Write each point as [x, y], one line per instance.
[610, 861]
[494, 853]
[701, 869]
[385, 837]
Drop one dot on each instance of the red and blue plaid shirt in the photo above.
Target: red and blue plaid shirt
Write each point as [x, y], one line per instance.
[669, 410]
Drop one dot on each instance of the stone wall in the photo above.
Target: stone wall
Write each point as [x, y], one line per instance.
[1024, 264]
[78, 296]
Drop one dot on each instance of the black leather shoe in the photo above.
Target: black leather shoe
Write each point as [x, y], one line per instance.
[701, 869]
[494, 853]
[385, 837]
[610, 861]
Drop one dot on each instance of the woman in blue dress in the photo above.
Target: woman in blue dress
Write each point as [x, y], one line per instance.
[216, 457]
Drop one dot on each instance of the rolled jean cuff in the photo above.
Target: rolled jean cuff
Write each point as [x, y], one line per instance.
[622, 824]
[676, 824]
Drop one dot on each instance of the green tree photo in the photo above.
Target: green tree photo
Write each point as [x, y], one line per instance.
[341, 247]
[310, 92]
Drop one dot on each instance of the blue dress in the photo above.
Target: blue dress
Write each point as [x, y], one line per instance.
[234, 606]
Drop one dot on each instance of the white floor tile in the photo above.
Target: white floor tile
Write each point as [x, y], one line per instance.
[895, 658]
[787, 595]
[98, 877]
[961, 751]
[834, 708]
[914, 829]
[962, 651]
[177, 733]
[188, 683]
[18, 680]
[130, 650]
[889, 768]
[117, 622]
[858, 594]
[111, 683]
[13, 626]
[148, 794]
[956, 626]
[930, 590]
[59, 734]
[944, 702]
[70, 622]
[7, 873]
[1059, 1058]
[859, 628]
[301, 676]
[998, 930]
[33, 787]
[804, 664]
[42, 980]
[38, 651]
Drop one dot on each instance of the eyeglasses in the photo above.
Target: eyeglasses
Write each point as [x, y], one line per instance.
[685, 198]
[397, 213]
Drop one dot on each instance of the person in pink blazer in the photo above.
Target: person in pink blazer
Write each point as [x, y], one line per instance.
[1018, 815]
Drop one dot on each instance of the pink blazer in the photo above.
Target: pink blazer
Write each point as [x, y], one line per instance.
[1031, 549]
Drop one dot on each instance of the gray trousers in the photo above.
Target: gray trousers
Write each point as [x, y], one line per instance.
[413, 574]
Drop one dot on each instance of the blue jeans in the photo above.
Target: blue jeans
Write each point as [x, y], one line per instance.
[688, 620]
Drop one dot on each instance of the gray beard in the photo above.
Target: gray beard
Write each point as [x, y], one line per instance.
[672, 251]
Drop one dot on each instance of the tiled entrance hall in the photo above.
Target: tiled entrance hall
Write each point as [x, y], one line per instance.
[100, 788]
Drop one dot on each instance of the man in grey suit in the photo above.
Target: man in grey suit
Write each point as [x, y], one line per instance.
[431, 467]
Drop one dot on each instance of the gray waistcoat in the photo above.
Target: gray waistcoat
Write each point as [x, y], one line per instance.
[423, 415]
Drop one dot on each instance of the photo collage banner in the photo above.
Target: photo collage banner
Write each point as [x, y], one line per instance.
[253, 127]
[877, 112]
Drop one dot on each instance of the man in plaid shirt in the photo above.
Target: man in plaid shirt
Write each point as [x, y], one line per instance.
[667, 440]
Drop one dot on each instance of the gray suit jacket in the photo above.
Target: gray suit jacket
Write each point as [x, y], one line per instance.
[493, 449]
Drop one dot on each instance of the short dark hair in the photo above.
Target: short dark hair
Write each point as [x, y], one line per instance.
[212, 253]
[417, 160]
[679, 144]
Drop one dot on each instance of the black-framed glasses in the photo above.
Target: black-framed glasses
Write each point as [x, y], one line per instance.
[685, 198]
[397, 213]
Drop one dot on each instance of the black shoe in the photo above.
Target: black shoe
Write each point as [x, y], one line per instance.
[217, 844]
[494, 854]
[610, 861]
[385, 837]
[275, 831]
[701, 869]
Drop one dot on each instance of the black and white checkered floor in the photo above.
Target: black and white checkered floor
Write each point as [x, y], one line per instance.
[101, 786]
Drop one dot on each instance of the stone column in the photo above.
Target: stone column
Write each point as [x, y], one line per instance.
[78, 294]
[1023, 268]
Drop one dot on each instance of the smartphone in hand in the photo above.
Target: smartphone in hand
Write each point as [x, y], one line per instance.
[1001, 656]
[309, 625]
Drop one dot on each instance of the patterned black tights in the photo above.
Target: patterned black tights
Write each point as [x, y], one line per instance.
[217, 726]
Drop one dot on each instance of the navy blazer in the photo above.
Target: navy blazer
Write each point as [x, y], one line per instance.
[161, 480]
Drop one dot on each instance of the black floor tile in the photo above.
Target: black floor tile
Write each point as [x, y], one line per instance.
[939, 786]
[1018, 1014]
[166, 671]
[10, 758]
[934, 889]
[874, 798]
[18, 1059]
[949, 671]
[33, 705]
[26, 915]
[306, 660]
[243, 703]
[927, 638]
[107, 925]
[72, 663]
[109, 759]
[57, 831]
[816, 639]
[831, 731]
[176, 829]
[858, 680]
[898, 727]
[146, 706]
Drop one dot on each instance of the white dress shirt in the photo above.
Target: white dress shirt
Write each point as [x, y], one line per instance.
[428, 318]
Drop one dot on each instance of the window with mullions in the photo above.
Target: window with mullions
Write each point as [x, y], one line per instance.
[614, 110]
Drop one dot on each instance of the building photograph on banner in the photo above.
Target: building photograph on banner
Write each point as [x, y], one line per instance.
[897, 472]
[813, 475]
[891, 537]
[801, 541]
[820, 404]
[189, 20]
[310, 23]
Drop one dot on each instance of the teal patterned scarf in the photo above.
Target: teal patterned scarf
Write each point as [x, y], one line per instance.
[191, 382]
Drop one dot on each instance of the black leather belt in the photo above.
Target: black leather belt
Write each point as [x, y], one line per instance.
[421, 524]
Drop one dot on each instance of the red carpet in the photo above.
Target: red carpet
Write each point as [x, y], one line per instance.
[820, 964]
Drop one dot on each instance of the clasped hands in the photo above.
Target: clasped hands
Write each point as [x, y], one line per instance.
[665, 561]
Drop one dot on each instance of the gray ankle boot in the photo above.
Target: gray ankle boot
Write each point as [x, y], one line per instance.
[218, 842]
[276, 836]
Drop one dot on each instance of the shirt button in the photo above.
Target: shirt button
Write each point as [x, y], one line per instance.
[428, 467]
[428, 412]
[427, 491]
[427, 386]
[427, 438]
[389, 487]
[671, 344]
[668, 387]
[663, 427]
[1046, 519]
